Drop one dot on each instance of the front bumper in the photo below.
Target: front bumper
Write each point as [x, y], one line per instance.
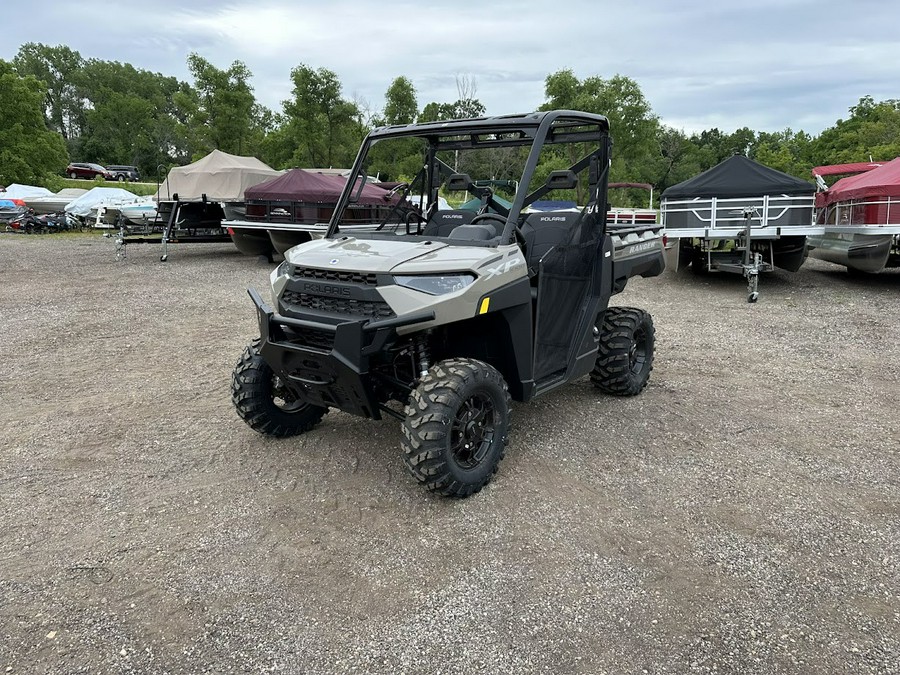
[327, 364]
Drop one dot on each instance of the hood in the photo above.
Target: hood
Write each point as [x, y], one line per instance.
[360, 255]
[450, 259]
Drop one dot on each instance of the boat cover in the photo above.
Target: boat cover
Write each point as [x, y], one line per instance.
[99, 196]
[298, 185]
[18, 191]
[74, 193]
[219, 176]
[881, 182]
[739, 176]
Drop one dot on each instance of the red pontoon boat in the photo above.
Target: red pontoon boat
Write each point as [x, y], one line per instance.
[860, 215]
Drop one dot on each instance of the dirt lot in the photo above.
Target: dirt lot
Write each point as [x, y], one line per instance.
[741, 516]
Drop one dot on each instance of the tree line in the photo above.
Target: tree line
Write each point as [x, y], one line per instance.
[56, 106]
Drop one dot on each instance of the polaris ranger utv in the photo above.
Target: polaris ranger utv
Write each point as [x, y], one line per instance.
[440, 317]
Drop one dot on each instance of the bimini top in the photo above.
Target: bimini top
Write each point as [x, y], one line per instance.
[298, 185]
[739, 176]
[883, 181]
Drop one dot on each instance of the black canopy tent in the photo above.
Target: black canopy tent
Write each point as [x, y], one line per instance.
[739, 176]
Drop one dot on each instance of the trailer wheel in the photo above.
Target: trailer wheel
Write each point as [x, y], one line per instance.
[625, 354]
[457, 427]
[264, 403]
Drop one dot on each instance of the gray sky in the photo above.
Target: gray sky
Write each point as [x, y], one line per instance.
[766, 64]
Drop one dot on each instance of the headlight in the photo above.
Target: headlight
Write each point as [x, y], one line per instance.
[279, 278]
[436, 284]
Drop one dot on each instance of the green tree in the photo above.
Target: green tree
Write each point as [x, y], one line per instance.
[58, 68]
[132, 117]
[716, 146]
[466, 104]
[871, 131]
[226, 115]
[319, 128]
[400, 105]
[678, 159]
[633, 125]
[29, 151]
[785, 151]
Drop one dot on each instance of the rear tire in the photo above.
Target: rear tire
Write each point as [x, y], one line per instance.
[625, 354]
[73, 175]
[256, 392]
[457, 427]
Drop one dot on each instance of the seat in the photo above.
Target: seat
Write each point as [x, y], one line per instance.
[544, 230]
[442, 223]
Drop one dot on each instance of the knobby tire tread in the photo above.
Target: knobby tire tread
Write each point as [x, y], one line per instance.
[612, 370]
[255, 406]
[429, 415]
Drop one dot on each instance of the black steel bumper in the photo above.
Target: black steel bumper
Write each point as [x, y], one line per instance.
[326, 363]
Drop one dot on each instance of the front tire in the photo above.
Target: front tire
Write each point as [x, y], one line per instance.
[264, 403]
[625, 354]
[457, 427]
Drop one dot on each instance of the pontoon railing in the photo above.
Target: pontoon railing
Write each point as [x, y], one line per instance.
[873, 213]
[723, 217]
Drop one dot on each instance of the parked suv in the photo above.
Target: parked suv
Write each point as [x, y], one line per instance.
[85, 170]
[123, 173]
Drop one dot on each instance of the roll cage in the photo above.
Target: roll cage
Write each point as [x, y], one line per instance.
[534, 130]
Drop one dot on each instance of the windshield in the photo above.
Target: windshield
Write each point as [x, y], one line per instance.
[472, 186]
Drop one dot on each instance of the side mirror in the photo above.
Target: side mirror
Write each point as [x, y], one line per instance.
[459, 182]
[562, 180]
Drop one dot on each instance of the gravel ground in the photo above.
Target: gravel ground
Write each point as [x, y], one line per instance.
[741, 516]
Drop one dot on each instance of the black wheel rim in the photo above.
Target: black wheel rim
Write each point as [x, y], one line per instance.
[283, 398]
[472, 434]
[637, 355]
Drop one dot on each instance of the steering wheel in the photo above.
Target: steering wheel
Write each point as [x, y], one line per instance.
[496, 221]
[495, 205]
[520, 239]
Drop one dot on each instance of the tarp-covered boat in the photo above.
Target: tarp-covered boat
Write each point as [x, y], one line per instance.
[91, 206]
[53, 203]
[218, 177]
[298, 204]
[192, 202]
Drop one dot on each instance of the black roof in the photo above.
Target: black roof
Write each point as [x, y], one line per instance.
[739, 176]
[495, 124]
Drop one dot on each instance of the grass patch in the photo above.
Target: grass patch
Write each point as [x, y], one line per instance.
[140, 189]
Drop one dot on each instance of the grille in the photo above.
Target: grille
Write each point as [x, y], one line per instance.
[335, 275]
[309, 337]
[320, 303]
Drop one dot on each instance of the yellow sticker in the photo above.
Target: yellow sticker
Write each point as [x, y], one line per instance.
[484, 305]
